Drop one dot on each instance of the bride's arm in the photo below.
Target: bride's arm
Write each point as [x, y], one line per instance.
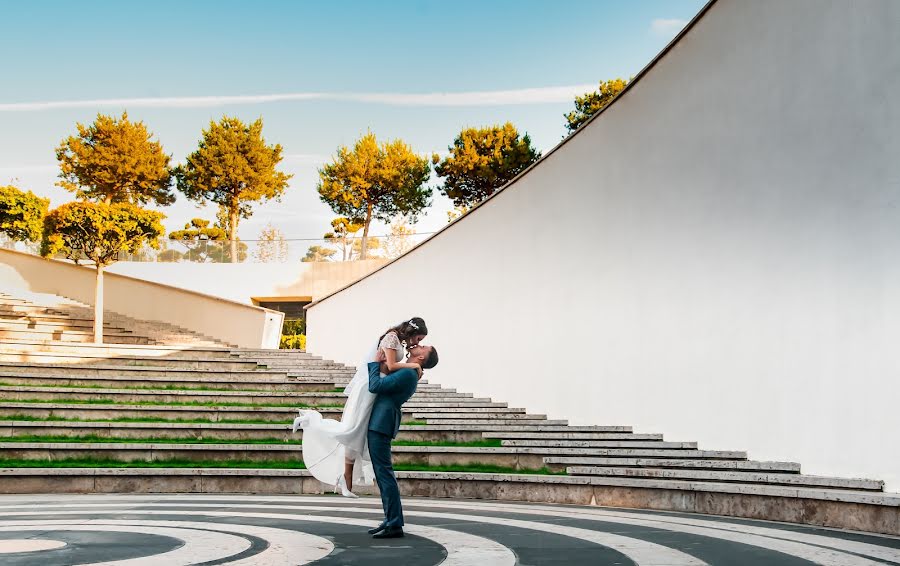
[391, 363]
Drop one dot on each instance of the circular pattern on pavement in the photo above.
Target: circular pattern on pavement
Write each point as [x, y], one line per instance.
[29, 545]
[155, 530]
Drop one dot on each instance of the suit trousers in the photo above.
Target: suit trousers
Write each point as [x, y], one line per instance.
[380, 454]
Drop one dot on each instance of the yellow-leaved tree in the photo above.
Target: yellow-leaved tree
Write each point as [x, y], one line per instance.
[375, 181]
[592, 102]
[115, 160]
[234, 168]
[21, 214]
[481, 160]
[98, 233]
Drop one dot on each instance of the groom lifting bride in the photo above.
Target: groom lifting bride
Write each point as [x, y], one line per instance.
[357, 449]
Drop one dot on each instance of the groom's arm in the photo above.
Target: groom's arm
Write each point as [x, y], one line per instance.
[388, 383]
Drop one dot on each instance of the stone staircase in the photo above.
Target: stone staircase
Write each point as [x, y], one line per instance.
[29, 317]
[218, 411]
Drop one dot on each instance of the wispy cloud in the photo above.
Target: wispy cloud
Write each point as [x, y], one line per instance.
[667, 27]
[539, 95]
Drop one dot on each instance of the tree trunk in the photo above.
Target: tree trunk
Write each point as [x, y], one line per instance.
[365, 236]
[98, 307]
[233, 221]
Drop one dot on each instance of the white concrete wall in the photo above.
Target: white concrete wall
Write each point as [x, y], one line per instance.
[715, 257]
[244, 281]
[243, 325]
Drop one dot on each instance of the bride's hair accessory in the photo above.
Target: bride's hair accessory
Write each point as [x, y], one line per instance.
[413, 323]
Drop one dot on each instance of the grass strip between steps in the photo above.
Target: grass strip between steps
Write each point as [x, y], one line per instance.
[260, 464]
[167, 388]
[169, 403]
[31, 418]
[93, 438]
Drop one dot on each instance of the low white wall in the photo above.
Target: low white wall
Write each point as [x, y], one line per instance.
[239, 324]
[245, 281]
[715, 257]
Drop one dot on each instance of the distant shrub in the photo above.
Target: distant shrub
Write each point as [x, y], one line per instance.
[293, 342]
[292, 327]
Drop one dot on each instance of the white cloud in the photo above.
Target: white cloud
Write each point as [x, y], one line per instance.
[667, 27]
[539, 95]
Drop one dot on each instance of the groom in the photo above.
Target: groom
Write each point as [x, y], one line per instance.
[392, 392]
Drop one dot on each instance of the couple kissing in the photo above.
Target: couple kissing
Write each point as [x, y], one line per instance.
[357, 449]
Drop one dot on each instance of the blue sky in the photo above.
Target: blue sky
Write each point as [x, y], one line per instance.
[417, 70]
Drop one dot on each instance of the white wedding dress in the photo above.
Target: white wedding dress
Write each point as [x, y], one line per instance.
[327, 442]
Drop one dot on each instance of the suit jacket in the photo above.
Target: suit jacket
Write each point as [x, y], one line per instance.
[392, 391]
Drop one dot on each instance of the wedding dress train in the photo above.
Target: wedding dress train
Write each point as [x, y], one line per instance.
[327, 442]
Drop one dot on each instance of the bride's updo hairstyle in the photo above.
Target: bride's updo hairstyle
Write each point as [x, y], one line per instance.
[408, 328]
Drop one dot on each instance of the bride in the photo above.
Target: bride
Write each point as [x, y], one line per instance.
[335, 452]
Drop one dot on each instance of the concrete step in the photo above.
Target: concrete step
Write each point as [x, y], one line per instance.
[687, 463]
[41, 358]
[38, 324]
[222, 431]
[566, 435]
[131, 452]
[545, 427]
[113, 350]
[10, 410]
[28, 310]
[438, 419]
[658, 444]
[764, 490]
[481, 414]
[125, 396]
[111, 371]
[245, 382]
[214, 413]
[71, 336]
[730, 476]
[136, 451]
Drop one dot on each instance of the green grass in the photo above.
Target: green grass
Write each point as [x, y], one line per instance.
[91, 438]
[415, 423]
[173, 463]
[262, 464]
[31, 418]
[167, 388]
[103, 401]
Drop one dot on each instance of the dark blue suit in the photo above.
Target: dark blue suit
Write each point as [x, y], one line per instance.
[392, 391]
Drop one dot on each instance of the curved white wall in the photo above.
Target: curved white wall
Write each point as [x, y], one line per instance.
[715, 257]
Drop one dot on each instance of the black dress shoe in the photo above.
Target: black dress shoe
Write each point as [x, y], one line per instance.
[377, 529]
[390, 532]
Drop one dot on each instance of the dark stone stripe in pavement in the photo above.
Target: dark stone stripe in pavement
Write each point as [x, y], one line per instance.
[85, 546]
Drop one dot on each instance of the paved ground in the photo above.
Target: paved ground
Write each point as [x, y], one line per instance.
[169, 530]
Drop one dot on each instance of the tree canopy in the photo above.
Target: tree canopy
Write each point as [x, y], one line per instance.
[482, 160]
[99, 232]
[114, 160]
[204, 243]
[234, 168]
[22, 214]
[342, 235]
[592, 102]
[375, 181]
